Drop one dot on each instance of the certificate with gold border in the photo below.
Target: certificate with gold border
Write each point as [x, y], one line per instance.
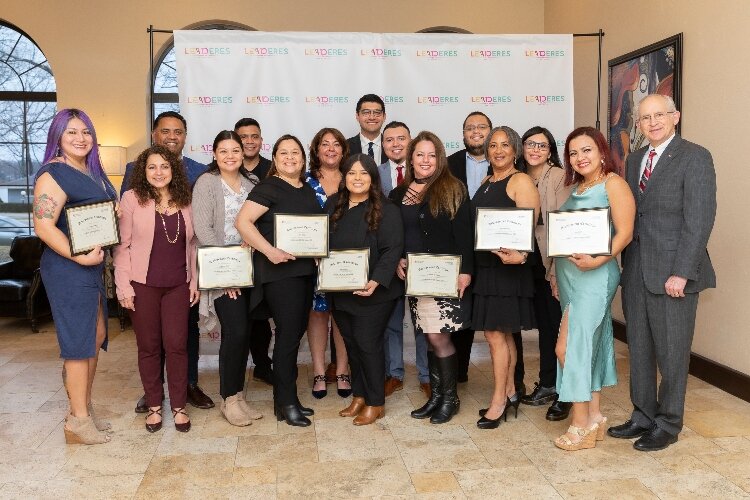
[586, 231]
[344, 270]
[302, 235]
[509, 228]
[91, 225]
[432, 275]
[229, 266]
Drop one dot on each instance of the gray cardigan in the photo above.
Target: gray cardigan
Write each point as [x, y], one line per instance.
[208, 207]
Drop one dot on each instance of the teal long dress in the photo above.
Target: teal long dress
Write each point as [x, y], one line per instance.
[587, 297]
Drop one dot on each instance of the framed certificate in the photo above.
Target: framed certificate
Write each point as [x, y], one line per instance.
[344, 270]
[302, 235]
[585, 231]
[511, 228]
[228, 266]
[91, 225]
[432, 275]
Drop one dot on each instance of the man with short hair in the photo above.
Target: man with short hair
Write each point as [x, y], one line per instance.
[395, 140]
[664, 268]
[260, 333]
[370, 114]
[170, 130]
[249, 131]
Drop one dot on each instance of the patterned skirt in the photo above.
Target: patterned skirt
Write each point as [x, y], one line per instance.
[440, 315]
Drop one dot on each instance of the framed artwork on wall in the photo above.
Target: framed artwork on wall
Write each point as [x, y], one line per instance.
[656, 68]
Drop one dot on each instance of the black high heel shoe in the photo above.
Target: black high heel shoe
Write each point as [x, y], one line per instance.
[292, 415]
[513, 402]
[319, 394]
[488, 423]
[344, 393]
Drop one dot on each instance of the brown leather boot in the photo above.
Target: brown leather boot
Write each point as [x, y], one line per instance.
[369, 414]
[354, 408]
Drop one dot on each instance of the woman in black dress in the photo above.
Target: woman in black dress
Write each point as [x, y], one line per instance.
[282, 281]
[437, 219]
[361, 217]
[504, 285]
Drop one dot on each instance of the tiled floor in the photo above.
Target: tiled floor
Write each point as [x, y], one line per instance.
[398, 457]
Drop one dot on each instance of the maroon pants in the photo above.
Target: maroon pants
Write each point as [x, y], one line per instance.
[160, 320]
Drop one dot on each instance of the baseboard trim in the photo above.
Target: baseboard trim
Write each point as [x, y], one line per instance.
[725, 378]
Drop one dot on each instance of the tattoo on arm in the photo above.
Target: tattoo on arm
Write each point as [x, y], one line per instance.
[44, 207]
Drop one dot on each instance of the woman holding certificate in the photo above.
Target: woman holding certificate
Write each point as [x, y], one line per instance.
[283, 281]
[327, 149]
[72, 174]
[436, 214]
[504, 286]
[155, 276]
[361, 218]
[586, 285]
[218, 195]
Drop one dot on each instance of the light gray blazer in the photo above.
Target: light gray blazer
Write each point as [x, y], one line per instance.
[385, 177]
[674, 218]
[208, 207]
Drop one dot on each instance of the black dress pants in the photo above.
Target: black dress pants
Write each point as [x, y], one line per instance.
[260, 339]
[289, 301]
[364, 334]
[236, 332]
[548, 316]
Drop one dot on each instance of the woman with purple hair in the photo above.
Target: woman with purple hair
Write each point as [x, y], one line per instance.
[72, 174]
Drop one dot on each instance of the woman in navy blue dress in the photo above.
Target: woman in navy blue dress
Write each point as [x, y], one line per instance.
[72, 174]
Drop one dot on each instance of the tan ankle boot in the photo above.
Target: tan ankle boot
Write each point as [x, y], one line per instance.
[83, 431]
[250, 412]
[231, 408]
[369, 414]
[101, 425]
[354, 408]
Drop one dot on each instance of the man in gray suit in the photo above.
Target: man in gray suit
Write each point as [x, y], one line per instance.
[664, 267]
[395, 140]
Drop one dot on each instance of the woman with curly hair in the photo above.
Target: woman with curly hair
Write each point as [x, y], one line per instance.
[361, 217]
[155, 276]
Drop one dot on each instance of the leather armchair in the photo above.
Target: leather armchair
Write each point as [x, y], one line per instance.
[22, 293]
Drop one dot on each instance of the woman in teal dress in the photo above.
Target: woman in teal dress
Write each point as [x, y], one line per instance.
[586, 285]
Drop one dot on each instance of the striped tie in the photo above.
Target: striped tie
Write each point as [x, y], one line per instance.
[647, 171]
[369, 149]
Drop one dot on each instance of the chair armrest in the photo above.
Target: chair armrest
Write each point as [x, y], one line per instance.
[6, 270]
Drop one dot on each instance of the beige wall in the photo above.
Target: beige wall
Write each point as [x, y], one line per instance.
[99, 54]
[714, 113]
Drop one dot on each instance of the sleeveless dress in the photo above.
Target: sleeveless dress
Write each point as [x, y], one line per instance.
[320, 303]
[587, 297]
[75, 291]
[503, 293]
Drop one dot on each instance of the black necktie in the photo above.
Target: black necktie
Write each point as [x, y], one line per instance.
[370, 151]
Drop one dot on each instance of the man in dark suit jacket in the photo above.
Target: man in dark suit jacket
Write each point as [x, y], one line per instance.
[370, 115]
[664, 268]
[249, 131]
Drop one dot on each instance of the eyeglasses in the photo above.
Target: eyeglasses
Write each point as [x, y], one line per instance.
[371, 112]
[472, 128]
[659, 117]
[542, 146]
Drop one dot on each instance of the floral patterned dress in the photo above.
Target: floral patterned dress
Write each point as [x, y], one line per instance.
[320, 304]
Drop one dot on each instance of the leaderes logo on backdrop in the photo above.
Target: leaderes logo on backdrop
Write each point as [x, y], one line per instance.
[326, 100]
[380, 53]
[434, 54]
[205, 149]
[268, 99]
[453, 145]
[326, 52]
[543, 100]
[209, 100]
[544, 53]
[489, 54]
[266, 51]
[491, 100]
[208, 51]
[438, 100]
[393, 99]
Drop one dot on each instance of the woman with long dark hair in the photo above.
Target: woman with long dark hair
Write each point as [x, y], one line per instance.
[72, 174]
[218, 195]
[155, 276]
[282, 281]
[436, 214]
[361, 217]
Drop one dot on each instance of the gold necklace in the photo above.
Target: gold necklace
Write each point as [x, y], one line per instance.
[492, 179]
[160, 210]
[588, 185]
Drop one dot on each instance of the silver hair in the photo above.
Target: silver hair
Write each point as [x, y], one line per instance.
[513, 138]
[667, 100]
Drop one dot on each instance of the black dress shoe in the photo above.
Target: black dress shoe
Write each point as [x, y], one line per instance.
[628, 430]
[308, 412]
[141, 406]
[540, 395]
[654, 440]
[198, 398]
[263, 374]
[292, 415]
[558, 411]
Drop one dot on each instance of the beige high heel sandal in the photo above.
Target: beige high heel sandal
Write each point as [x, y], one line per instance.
[81, 430]
[101, 425]
[587, 441]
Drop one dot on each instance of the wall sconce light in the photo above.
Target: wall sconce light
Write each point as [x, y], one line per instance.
[113, 159]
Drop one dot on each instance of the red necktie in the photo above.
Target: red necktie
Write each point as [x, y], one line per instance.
[647, 171]
[399, 174]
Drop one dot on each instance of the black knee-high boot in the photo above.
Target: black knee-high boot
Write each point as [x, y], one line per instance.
[450, 403]
[435, 399]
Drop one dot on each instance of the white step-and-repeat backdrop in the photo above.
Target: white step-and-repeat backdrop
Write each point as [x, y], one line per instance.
[300, 82]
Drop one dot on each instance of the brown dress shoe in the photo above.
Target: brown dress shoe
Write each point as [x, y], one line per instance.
[369, 414]
[392, 384]
[425, 386]
[198, 398]
[354, 408]
[331, 373]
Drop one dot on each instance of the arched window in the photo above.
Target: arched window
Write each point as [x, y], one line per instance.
[165, 96]
[28, 102]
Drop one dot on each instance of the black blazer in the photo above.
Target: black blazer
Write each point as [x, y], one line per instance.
[386, 248]
[457, 166]
[442, 235]
[355, 148]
